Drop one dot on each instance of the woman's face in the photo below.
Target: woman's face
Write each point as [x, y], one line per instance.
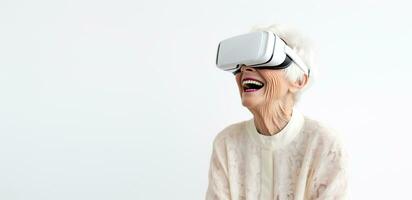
[275, 86]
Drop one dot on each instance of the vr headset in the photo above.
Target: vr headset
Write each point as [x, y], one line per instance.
[263, 50]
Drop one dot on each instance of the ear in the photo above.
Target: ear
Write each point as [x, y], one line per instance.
[296, 86]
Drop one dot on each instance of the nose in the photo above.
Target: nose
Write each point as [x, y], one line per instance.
[246, 68]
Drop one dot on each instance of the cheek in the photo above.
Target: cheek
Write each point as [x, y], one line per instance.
[275, 85]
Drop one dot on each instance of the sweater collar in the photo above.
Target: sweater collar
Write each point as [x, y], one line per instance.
[280, 139]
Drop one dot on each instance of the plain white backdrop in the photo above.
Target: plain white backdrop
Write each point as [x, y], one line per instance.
[121, 99]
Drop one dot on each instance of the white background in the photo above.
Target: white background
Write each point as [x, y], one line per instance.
[121, 99]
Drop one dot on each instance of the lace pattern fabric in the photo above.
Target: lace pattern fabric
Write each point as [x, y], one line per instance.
[312, 166]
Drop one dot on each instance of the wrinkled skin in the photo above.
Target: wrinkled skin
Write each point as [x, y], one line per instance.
[271, 105]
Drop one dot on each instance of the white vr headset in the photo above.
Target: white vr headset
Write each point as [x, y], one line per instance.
[263, 50]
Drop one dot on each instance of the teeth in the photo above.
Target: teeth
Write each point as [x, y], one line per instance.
[251, 82]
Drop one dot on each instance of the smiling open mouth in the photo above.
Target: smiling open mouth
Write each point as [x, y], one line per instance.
[251, 85]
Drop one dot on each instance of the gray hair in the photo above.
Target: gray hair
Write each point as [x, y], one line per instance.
[302, 46]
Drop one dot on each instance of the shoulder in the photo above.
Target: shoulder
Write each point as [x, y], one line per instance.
[230, 131]
[322, 134]
[327, 143]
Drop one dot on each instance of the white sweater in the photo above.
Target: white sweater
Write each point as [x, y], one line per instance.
[306, 160]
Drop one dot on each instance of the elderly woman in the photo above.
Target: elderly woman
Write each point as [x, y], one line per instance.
[279, 153]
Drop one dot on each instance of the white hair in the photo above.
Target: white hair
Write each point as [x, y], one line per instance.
[302, 46]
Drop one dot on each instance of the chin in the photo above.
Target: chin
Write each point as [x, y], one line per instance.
[250, 103]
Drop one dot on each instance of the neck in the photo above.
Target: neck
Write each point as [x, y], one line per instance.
[274, 116]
